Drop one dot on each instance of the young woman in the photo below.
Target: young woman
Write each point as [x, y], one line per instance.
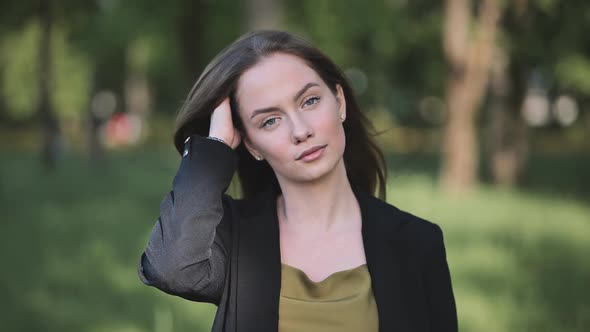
[307, 247]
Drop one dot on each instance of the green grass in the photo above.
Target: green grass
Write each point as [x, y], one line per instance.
[519, 261]
[71, 240]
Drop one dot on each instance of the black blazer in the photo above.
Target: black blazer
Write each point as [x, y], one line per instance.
[208, 247]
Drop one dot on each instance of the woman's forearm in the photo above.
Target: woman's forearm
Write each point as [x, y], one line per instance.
[187, 249]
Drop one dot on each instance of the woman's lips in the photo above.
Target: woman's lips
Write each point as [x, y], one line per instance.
[312, 153]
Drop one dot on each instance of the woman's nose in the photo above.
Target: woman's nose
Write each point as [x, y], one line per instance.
[301, 130]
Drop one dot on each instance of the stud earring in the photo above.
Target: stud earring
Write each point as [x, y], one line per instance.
[259, 158]
[342, 117]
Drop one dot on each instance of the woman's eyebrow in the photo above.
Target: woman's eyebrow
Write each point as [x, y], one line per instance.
[297, 95]
[302, 91]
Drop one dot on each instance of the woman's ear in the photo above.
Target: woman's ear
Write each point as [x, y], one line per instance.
[252, 150]
[341, 102]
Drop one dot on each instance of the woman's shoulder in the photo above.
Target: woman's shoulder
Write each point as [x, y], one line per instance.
[418, 230]
[249, 206]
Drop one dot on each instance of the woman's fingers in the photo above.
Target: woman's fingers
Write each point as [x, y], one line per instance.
[222, 125]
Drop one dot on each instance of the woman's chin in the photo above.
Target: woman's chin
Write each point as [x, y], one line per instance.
[317, 172]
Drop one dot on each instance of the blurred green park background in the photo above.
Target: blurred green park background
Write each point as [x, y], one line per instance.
[483, 110]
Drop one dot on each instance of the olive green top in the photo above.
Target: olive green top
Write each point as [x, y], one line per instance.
[342, 302]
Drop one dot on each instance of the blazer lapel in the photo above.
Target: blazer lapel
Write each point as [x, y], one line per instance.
[385, 261]
[259, 266]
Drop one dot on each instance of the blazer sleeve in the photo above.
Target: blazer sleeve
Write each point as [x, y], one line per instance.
[187, 251]
[443, 312]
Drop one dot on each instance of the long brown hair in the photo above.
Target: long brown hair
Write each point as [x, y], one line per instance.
[364, 161]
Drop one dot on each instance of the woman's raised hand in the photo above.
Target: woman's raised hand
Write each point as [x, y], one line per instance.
[222, 126]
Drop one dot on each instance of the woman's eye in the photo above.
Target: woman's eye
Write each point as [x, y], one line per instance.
[311, 101]
[269, 122]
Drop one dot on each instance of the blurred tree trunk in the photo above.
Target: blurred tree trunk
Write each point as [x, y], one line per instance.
[138, 98]
[507, 131]
[469, 61]
[264, 14]
[191, 28]
[106, 79]
[95, 149]
[51, 144]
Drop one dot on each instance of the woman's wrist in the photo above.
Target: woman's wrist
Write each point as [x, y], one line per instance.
[218, 139]
[213, 138]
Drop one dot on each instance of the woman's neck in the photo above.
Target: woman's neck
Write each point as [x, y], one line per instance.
[326, 205]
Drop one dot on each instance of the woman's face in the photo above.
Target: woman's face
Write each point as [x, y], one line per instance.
[287, 109]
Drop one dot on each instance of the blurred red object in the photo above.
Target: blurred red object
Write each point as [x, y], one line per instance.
[119, 129]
